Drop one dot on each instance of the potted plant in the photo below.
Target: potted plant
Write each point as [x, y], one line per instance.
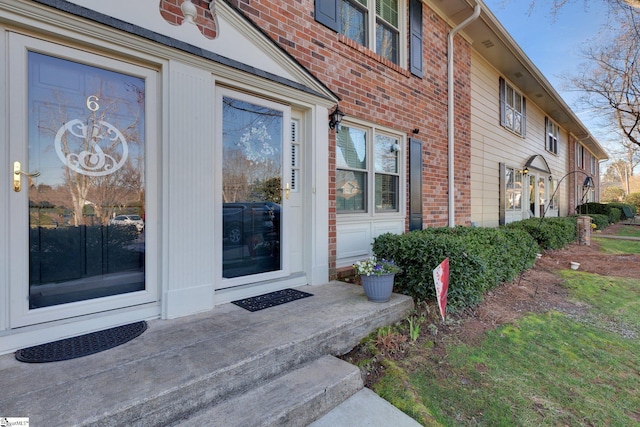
[376, 276]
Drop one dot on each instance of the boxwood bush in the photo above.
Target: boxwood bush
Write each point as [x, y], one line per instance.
[601, 221]
[549, 233]
[612, 210]
[627, 210]
[479, 259]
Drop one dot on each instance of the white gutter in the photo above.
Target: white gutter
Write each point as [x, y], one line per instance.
[450, 110]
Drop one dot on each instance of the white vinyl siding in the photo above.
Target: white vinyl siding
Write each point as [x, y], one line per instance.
[492, 144]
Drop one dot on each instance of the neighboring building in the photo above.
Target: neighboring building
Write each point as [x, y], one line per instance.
[209, 122]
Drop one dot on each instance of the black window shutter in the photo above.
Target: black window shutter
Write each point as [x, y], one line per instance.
[503, 95]
[415, 184]
[502, 199]
[415, 19]
[327, 12]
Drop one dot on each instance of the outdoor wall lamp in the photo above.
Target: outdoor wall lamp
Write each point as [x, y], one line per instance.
[525, 171]
[588, 182]
[335, 118]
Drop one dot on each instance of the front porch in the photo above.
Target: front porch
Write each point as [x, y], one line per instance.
[227, 367]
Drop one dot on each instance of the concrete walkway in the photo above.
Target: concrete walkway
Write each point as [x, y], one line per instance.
[611, 236]
[183, 370]
[366, 409]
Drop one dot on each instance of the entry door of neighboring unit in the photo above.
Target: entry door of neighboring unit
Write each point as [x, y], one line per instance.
[78, 207]
[255, 175]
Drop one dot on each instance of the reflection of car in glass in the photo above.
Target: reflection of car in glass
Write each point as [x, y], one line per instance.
[128, 220]
[244, 220]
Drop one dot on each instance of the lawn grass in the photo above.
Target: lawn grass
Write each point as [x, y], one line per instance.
[552, 369]
[629, 230]
[614, 246]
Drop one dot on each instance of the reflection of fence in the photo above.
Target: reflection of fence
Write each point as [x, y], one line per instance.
[68, 253]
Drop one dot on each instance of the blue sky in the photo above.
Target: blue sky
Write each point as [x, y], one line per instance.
[554, 43]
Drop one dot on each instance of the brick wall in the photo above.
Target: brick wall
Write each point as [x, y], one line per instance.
[374, 89]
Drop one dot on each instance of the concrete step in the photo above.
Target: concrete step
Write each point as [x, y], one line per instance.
[182, 366]
[297, 398]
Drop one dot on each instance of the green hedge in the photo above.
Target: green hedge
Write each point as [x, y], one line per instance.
[479, 259]
[627, 210]
[601, 221]
[612, 210]
[549, 233]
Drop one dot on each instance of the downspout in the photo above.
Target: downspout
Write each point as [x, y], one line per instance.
[450, 110]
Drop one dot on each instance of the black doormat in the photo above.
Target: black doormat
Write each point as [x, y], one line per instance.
[83, 345]
[271, 299]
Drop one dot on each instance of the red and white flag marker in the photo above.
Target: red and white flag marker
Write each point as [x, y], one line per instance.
[441, 279]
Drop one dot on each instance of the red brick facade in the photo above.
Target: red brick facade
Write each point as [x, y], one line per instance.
[372, 88]
[578, 173]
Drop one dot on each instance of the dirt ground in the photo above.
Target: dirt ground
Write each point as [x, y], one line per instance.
[537, 290]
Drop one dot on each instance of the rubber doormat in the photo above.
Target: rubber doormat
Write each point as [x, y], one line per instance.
[83, 345]
[271, 299]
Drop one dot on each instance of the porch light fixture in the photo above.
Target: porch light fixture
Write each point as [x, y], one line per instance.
[335, 118]
[525, 171]
[588, 183]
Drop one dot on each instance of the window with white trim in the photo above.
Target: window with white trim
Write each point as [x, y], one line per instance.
[552, 136]
[594, 164]
[513, 111]
[367, 170]
[579, 156]
[513, 180]
[358, 16]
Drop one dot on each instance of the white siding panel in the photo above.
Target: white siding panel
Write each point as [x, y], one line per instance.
[491, 144]
[354, 240]
[189, 212]
[394, 227]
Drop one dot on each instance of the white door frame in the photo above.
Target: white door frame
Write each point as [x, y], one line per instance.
[225, 283]
[20, 314]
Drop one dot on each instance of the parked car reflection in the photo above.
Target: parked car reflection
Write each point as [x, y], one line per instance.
[128, 220]
[245, 222]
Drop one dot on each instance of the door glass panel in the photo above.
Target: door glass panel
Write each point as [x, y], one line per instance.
[251, 188]
[542, 194]
[87, 207]
[532, 195]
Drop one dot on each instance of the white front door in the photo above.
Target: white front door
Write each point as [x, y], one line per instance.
[255, 178]
[80, 208]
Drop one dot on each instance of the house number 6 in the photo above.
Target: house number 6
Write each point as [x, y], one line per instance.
[92, 103]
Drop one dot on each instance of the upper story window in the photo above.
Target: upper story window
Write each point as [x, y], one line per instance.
[579, 155]
[357, 17]
[380, 25]
[367, 171]
[513, 111]
[594, 165]
[552, 136]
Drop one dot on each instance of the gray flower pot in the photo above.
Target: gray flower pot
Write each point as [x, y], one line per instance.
[378, 288]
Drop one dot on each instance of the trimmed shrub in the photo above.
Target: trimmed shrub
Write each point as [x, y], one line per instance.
[479, 259]
[626, 210]
[601, 221]
[549, 233]
[610, 209]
